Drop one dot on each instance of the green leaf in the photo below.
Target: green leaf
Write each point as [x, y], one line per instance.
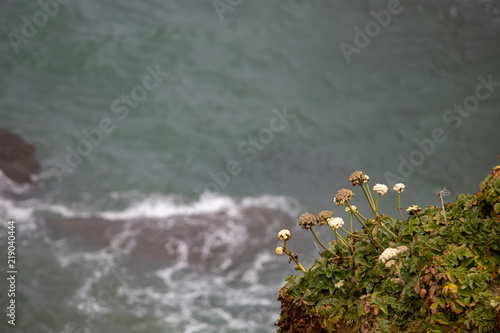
[496, 208]
[440, 318]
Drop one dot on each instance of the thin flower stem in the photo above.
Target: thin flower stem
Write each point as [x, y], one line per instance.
[353, 235]
[299, 265]
[369, 198]
[369, 192]
[351, 221]
[444, 211]
[376, 207]
[388, 231]
[356, 214]
[296, 259]
[399, 206]
[341, 239]
[314, 234]
[442, 192]
[361, 215]
[366, 228]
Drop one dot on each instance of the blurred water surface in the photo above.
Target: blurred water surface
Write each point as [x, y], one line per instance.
[261, 107]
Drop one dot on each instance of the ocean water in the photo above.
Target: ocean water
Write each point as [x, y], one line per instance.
[155, 110]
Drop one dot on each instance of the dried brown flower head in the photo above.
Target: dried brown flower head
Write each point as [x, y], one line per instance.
[358, 178]
[323, 215]
[342, 196]
[307, 220]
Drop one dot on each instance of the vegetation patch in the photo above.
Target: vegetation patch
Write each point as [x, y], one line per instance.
[438, 270]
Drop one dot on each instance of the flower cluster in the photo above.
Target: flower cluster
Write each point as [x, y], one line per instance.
[342, 196]
[335, 222]
[284, 235]
[389, 263]
[323, 216]
[390, 253]
[354, 208]
[402, 248]
[414, 210]
[307, 220]
[380, 189]
[399, 187]
[358, 178]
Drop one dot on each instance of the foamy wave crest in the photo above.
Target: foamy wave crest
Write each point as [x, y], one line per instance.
[7, 185]
[216, 268]
[23, 211]
[138, 205]
[160, 206]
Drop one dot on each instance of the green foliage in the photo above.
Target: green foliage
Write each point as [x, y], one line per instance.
[447, 281]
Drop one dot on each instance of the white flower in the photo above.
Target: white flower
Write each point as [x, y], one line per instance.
[365, 178]
[413, 208]
[402, 248]
[339, 284]
[399, 187]
[389, 263]
[284, 235]
[279, 250]
[348, 210]
[335, 222]
[380, 189]
[388, 254]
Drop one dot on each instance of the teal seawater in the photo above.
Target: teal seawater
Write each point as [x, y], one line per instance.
[225, 78]
[391, 109]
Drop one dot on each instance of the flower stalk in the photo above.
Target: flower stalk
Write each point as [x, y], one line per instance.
[442, 192]
[380, 223]
[320, 243]
[369, 198]
[399, 206]
[399, 187]
[342, 240]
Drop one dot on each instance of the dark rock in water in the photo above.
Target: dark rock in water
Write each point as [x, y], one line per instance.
[221, 240]
[17, 158]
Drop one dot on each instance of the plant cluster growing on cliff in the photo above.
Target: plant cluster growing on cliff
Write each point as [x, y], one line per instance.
[438, 270]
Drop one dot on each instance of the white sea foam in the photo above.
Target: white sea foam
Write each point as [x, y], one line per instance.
[231, 296]
[147, 206]
[160, 206]
[8, 185]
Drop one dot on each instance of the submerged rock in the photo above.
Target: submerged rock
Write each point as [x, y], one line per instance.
[17, 158]
[220, 240]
